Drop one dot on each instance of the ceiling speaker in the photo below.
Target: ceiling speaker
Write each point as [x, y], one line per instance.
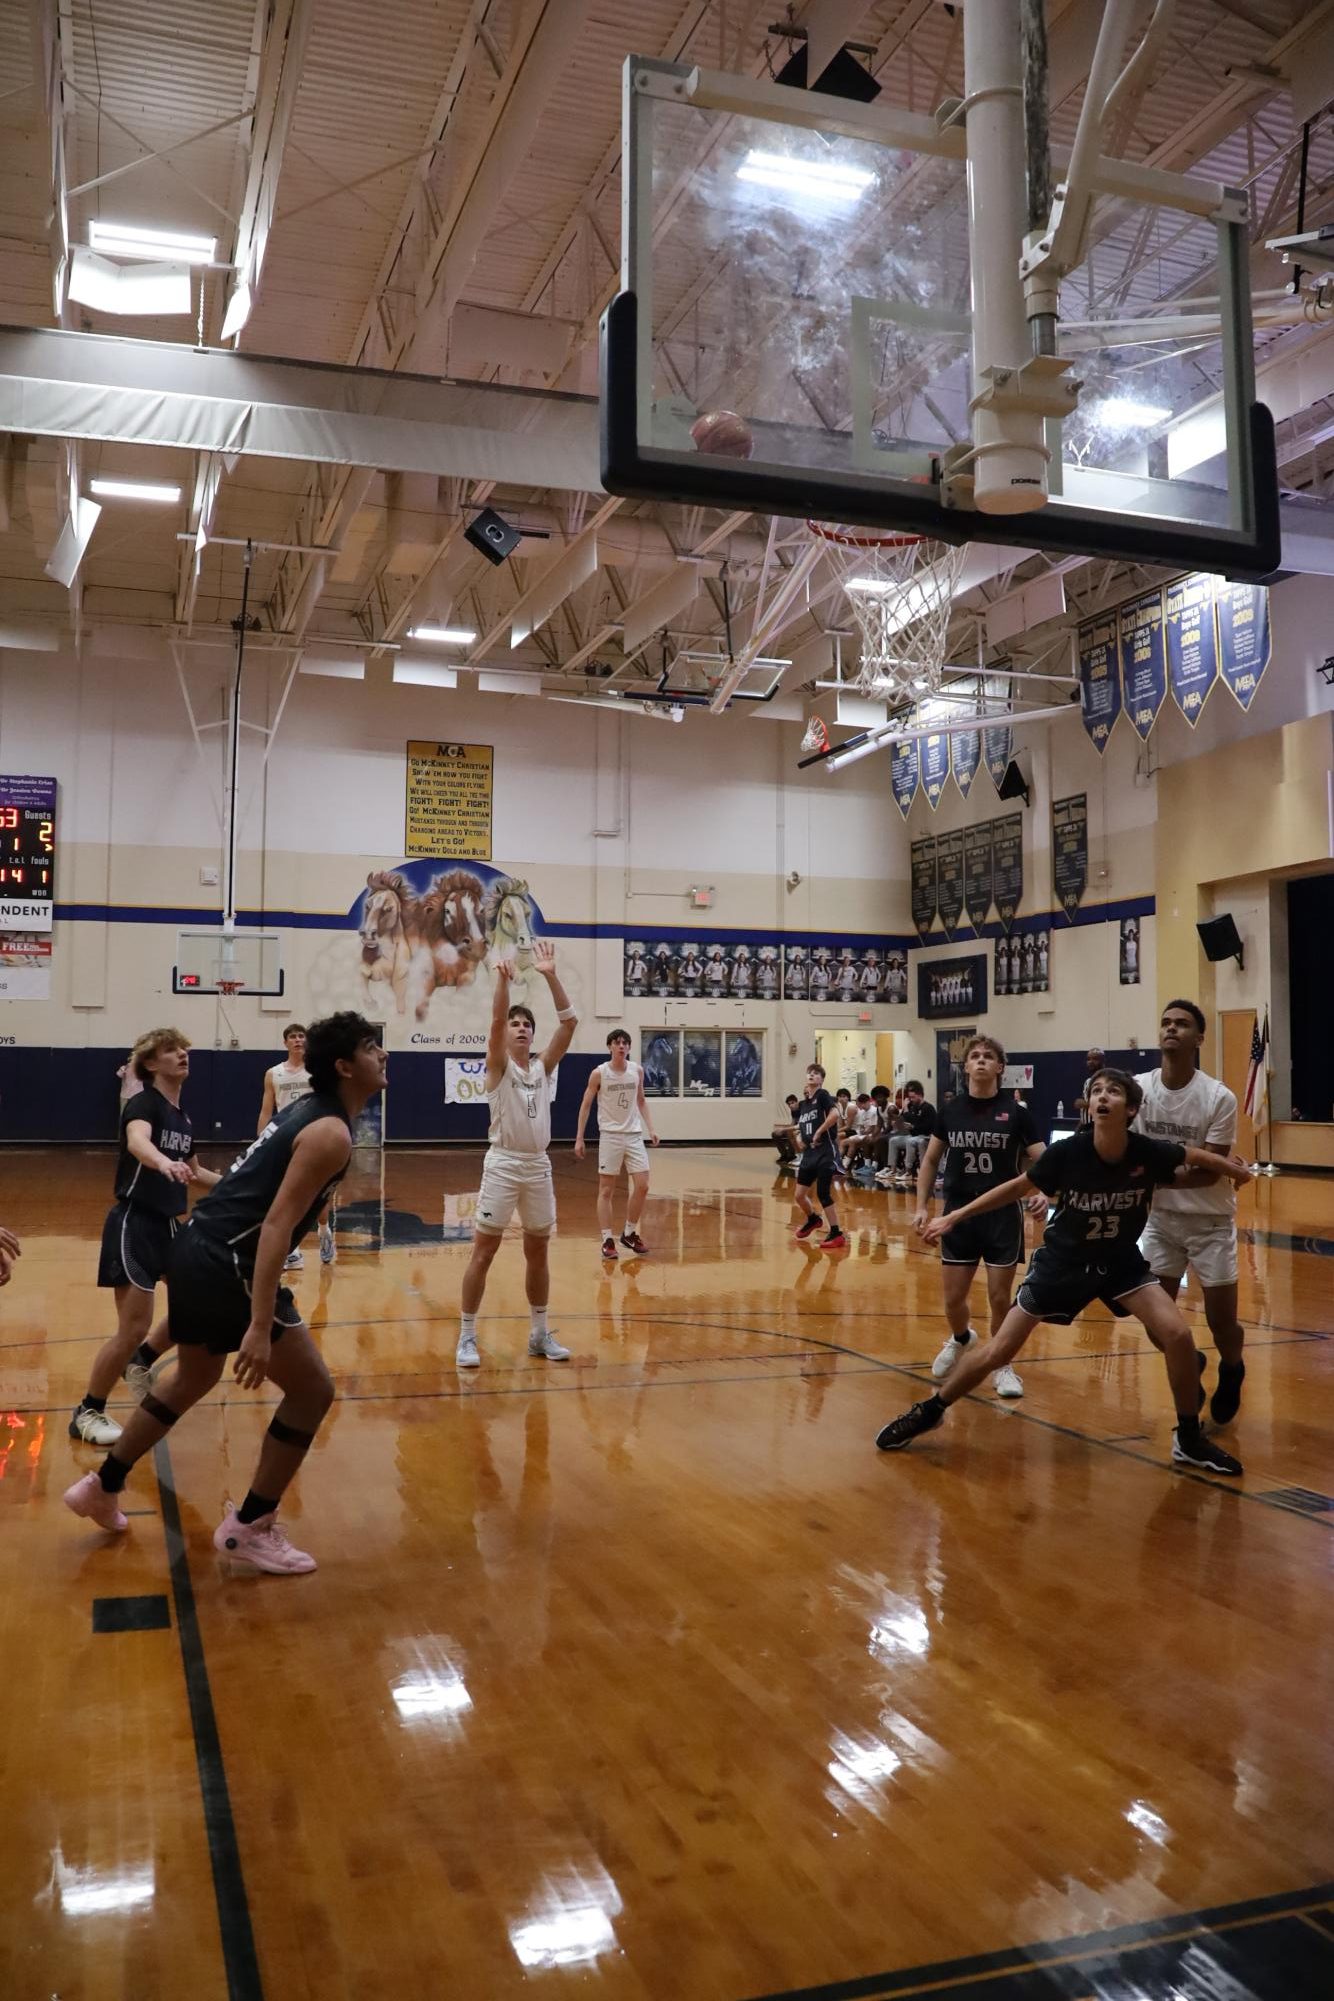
[1221, 939]
[492, 535]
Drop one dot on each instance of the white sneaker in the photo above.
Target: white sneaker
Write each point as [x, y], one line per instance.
[328, 1248]
[138, 1379]
[1007, 1383]
[949, 1355]
[94, 1427]
[466, 1355]
[294, 1261]
[548, 1347]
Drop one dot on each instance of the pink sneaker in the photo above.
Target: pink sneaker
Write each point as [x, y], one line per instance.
[88, 1497]
[260, 1544]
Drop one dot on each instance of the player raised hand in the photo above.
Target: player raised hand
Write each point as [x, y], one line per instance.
[506, 970]
[544, 957]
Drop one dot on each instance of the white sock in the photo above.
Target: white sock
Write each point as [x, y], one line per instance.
[467, 1326]
[538, 1315]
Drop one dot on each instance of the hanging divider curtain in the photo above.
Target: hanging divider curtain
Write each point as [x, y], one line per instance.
[935, 767]
[1070, 851]
[1244, 641]
[903, 775]
[1099, 680]
[1143, 651]
[977, 873]
[965, 756]
[949, 879]
[924, 892]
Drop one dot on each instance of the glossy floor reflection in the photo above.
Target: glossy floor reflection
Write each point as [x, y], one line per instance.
[645, 1676]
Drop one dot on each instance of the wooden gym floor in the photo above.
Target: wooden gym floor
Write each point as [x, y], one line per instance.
[647, 1676]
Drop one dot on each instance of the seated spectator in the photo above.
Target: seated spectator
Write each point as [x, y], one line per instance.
[785, 1133]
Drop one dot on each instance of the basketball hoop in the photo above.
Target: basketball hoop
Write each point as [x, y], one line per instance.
[900, 589]
[229, 988]
[816, 737]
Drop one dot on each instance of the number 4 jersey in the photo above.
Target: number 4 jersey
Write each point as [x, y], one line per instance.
[1101, 1205]
[987, 1141]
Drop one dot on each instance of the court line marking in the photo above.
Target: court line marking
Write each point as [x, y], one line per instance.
[239, 1957]
[939, 1976]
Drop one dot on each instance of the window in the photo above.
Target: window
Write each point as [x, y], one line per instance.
[662, 1064]
[703, 1063]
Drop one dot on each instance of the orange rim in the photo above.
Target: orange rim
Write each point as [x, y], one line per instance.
[866, 538]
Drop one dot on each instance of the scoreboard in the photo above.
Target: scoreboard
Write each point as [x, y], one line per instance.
[27, 853]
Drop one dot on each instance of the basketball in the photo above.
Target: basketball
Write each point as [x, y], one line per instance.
[724, 434]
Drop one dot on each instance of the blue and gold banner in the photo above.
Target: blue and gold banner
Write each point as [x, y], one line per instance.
[1243, 637]
[924, 884]
[1070, 851]
[997, 745]
[935, 767]
[965, 756]
[1099, 680]
[1192, 643]
[977, 873]
[949, 879]
[1143, 652]
[903, 763]
[1007, 866]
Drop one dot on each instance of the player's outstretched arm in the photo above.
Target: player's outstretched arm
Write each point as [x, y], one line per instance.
[1204, 1165]
[497, 1045]
[995, 1198]
[1037, 1201]
[544, 962]
[585, 1107]
[139, 1142]
[643, 1113]
[926, 1181]
[320, 1153]
[267, 1104]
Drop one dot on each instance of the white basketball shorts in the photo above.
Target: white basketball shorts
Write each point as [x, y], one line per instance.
[622, 1150]
[515, 1184]
[1208, 1244]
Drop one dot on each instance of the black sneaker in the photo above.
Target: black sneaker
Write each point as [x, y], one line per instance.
[1202, 1452]
[901, 1431]
[809, 1228]
[1226, 1400]
[835, 1241]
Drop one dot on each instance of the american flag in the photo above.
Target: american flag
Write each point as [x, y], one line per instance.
[1257, 1078]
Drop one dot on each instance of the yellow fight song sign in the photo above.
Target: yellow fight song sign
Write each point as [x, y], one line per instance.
[448, 808]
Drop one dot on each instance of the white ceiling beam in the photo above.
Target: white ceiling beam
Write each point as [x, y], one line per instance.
[280, 66]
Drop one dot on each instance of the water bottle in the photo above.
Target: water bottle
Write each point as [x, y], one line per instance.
[1060, 1108]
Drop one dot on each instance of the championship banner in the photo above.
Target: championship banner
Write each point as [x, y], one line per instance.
[1007, 866]
[1192, 643]
[965, 756]
[448, 809]
[949, 878]
[924, 891]
[1099, 680]
[935, 767]
[977, 873]
[903, 774]
[1143, 651]
[1070, 851]
[1243, 638]
[997, 745]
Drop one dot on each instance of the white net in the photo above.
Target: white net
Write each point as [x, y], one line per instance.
[900, 590]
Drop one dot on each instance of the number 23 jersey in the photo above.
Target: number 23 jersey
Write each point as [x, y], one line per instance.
[1101, 1205]
[987, 1140]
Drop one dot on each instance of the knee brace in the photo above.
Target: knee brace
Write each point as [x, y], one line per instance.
[161, 1413]
[287, 1434]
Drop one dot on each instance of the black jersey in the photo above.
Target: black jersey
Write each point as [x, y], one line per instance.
[987, 1140]
[1102, 1205]
[234, 1211]
[172, 1134]
[811, 1115]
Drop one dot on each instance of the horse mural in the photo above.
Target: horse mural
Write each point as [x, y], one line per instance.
[426, 926]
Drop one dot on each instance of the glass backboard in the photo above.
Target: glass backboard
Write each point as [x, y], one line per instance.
[216, 960]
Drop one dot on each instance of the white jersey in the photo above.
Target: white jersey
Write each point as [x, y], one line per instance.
[288, 1085]
[1201, 1113]
[618, 1100]
[521, 1108]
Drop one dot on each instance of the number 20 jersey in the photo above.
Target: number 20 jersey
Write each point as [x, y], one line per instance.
[987, 1139]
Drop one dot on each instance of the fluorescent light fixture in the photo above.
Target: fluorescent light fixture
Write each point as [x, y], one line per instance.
[124, 239]
[1123, 413]
[133, 489]
[815, 180]
[443, 635]
[425, 674]
[159, 290]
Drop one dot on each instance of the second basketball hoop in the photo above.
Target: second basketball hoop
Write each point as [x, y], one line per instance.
[900, 590]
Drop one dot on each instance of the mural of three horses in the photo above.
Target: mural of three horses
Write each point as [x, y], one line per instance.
[413, 944]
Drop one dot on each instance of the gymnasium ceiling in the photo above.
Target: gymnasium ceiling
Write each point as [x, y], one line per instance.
[443, 183]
